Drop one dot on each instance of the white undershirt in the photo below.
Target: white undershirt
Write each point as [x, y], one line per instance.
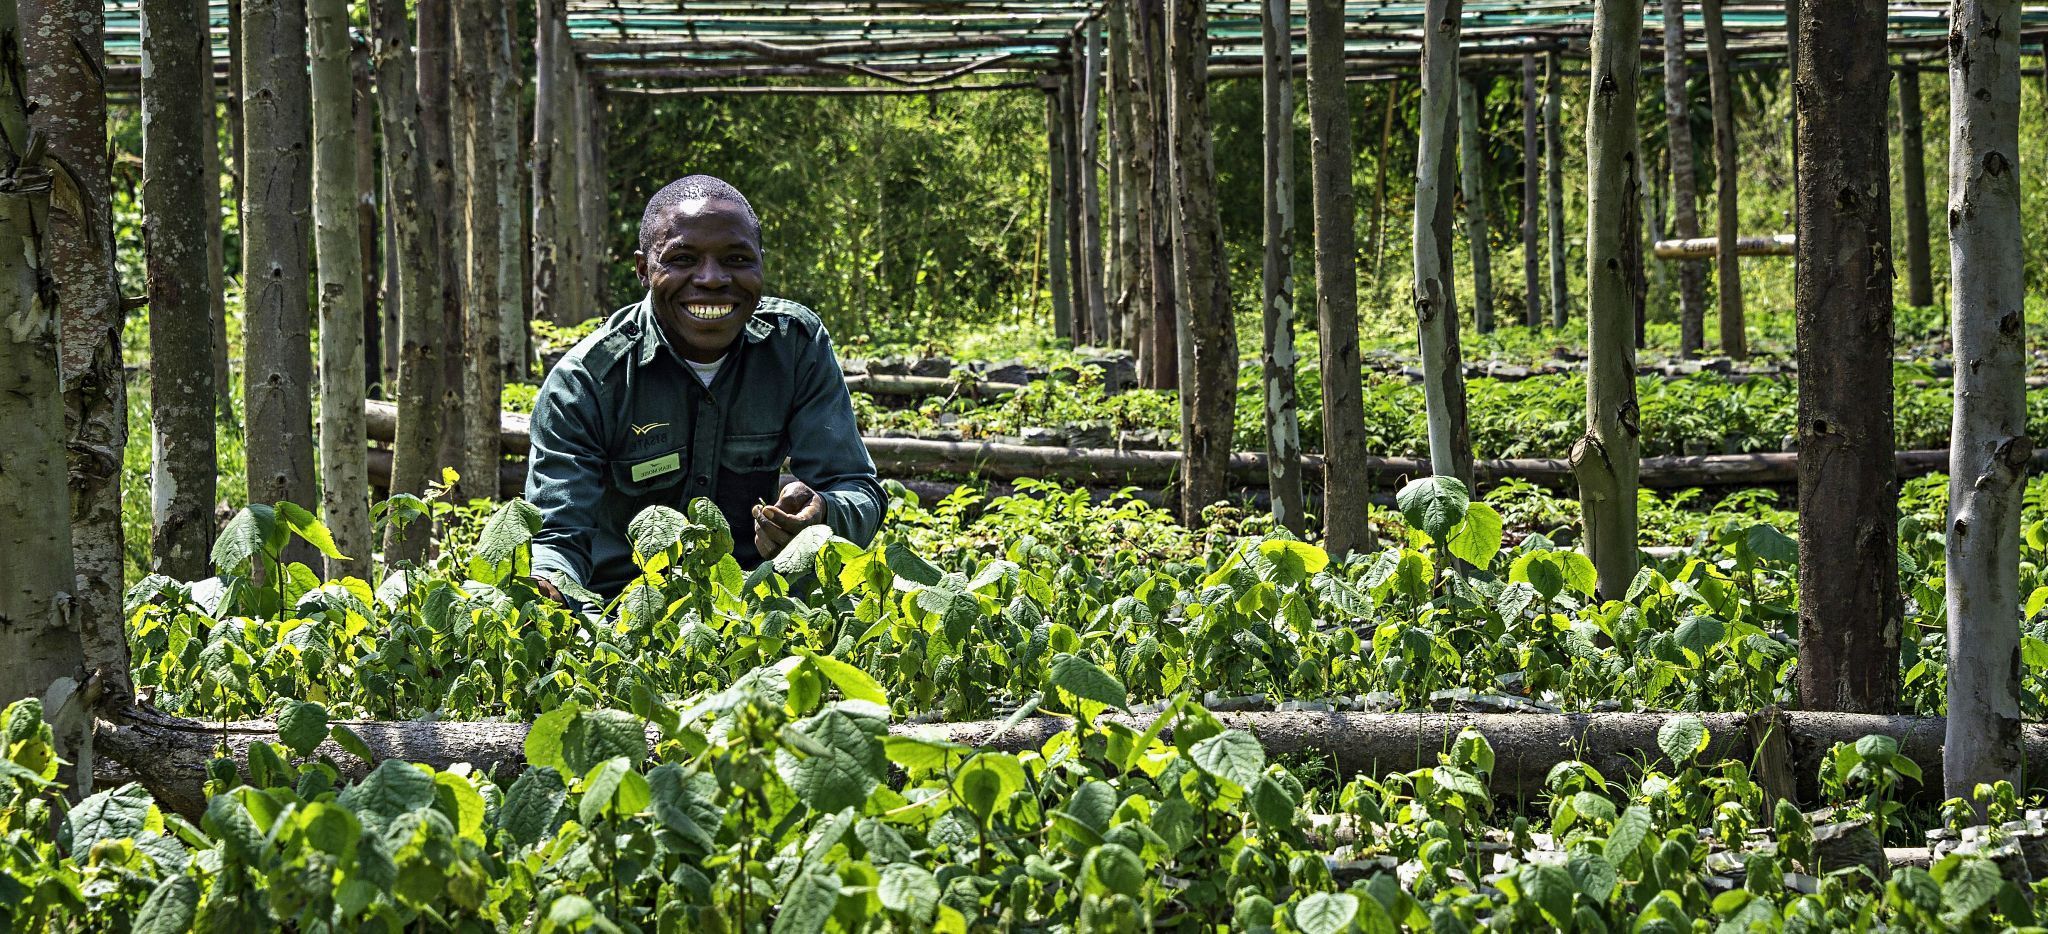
[706, 372]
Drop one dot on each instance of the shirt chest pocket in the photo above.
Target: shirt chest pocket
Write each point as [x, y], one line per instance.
[648, 478]
[752, 453]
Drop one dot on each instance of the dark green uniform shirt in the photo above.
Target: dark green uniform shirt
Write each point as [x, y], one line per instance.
[622, 424]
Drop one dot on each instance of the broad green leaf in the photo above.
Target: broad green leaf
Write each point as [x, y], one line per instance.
[1682, 737]
[909, 566]
[1595, 875]
[243, 537]
[801, 554]
[309, 527]
[910, 889]
[511, 525]
[1477, 539]
[530, 806]
[655, 530]
[1551, 889]
[109, 815]
[1629, 832]
[544, 738]
[1084, 679]
[599, 787]
[461, 804]
[1541, 570]
[1699, 634]
[596, 735]
[302, 726]
[391, 789]
[1232, 755]
[1114, 869]
[171, 908]
[808, 905]
[228, 822]
[851, 681]
[987, 781]
[1973, 884]
[1434, 504]
[1325, 912]
[1292, 562]
[330, 828]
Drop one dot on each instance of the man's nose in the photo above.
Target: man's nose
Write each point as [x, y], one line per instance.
[711, 274]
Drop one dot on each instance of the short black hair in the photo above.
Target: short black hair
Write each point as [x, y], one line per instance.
[692, 187]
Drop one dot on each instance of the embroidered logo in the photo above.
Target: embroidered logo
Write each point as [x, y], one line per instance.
[642, 430]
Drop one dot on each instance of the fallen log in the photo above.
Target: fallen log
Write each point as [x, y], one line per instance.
[886, 384]
[169, 754]
[907, 458]
[1710, 247]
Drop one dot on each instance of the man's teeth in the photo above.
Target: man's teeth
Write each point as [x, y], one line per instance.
[709, 312]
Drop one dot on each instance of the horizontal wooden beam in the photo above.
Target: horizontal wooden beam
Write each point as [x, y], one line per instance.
[1710, 247]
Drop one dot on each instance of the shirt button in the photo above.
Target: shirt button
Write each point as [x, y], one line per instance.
[700, 481]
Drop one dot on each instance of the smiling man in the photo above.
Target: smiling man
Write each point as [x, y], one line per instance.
[703, 388]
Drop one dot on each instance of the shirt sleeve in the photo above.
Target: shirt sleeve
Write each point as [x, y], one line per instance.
[565, 472]
[825, 446]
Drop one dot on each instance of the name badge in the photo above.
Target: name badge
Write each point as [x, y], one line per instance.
[657, 467]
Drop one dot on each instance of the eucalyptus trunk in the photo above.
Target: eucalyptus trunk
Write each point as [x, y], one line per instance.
[483, 370]
[344, 459]
[216, 251]
[1472, 176]
[1532, 199]
[1345, 481]
[1727, 265]
[277, 369]
[442, 195]
[1685, 215]
[1090, 130]
[548, 43]
[1165, 336]
[1606, 460]
[1849, 609]
[1913, 171]
[41, 641]
[1435, 299]
[1211, 333]
[1276, 362]
[67, 105]
[1056, 195]
[1988, 447]
[510, 244]
[1553, 170]
[175, 215]
[1143, 136]
[419, 275]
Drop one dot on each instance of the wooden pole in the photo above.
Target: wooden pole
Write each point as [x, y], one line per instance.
[435, 29]
[1146, 295]
[1913, 170]
[1211, 332]
[1849, 610]
[1734, 336]
[337, 239]
[476, 235]
[1090, 132]
[1056, 199]
[1606, 459]
[511, 241]
[1553, 169]
[1472, 174]
[1435, 299]
[1345, 481]
[1131, 209]
[1685, 218]
[548, 41]
[1283, 424]
[1077, 249]
[1532, 202]
[178, 205]
[1989, 449]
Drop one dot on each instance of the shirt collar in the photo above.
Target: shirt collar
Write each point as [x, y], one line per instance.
[653, 340]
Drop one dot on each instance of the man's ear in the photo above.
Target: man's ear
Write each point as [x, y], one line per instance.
[640, 266]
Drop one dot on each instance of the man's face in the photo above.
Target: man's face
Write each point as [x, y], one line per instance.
[704, 276]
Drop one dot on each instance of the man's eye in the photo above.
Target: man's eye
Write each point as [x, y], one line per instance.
[739, 259]
[681, 259]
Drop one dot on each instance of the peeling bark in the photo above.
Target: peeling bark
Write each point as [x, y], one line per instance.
[1276, 361]
[39, 640]
[1434, 299]
[1989, 449]
[181, 244]
[1607, 459]
[61, 42]
[1345, 481]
